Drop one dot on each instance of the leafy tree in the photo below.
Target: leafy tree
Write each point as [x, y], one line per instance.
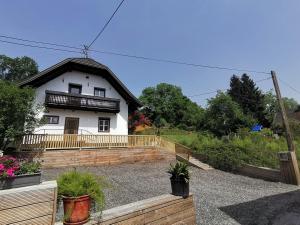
[249, 97]
[166, 105]
[272, 106]
[17, 112]
[223, 115]
[17, 69]
[290, 104]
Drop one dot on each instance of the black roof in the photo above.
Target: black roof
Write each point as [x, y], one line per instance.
[87, 65]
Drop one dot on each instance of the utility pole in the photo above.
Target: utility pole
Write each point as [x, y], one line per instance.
[85, 51]
[288, 160]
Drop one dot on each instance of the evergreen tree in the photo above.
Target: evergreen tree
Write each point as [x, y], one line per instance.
[249, 97]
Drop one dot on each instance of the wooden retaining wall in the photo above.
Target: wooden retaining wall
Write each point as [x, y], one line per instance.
[165, 209]
[96, 157]
[260, 172]
[29, 205]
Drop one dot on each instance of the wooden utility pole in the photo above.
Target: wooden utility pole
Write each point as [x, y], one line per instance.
[288, 160]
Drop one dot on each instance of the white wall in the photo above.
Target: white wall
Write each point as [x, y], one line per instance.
[88, 120]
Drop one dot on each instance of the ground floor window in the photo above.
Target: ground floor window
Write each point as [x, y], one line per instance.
[51, 119]
[104, 124]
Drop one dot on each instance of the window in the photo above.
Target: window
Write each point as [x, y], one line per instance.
[100, 92]
[51, 119]
[104, 125]
[75, 88]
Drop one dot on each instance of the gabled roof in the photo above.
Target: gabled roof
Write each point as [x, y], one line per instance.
[87, 65]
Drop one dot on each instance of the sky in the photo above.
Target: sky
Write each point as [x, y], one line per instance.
[248, 34]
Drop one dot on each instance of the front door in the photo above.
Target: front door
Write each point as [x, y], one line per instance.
[71, 125]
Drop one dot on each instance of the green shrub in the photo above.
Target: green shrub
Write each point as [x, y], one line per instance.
[75, 184]
[256, 148]
[29, 168]
[179, 171]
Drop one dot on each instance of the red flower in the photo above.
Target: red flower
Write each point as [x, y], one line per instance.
[2, 167]
[10, 172]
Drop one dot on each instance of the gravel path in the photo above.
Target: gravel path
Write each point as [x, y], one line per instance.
[220, 198]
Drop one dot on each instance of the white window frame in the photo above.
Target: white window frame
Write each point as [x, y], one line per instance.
[104, 125]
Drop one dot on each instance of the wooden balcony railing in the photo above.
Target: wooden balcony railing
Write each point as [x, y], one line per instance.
[57, 99]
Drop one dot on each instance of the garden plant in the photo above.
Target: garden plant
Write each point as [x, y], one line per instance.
[15, 172]
[180, 177]
[77, 189]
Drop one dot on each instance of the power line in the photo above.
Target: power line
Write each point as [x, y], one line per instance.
[205, 93]
[125, 55]
[106, 24]
[216, 91]
[288, 85]
[40, 42]
[180, 62]
[42, 47]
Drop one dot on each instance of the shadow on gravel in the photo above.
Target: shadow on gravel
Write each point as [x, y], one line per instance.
[281, 209]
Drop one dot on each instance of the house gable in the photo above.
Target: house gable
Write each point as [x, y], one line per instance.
[85, 65]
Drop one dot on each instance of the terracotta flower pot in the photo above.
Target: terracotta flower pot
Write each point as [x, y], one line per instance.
[76, 210]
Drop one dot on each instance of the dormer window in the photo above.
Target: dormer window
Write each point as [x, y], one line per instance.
[100, 92]
[75, 88]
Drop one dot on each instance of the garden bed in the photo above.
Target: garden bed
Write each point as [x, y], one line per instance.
[20, 181]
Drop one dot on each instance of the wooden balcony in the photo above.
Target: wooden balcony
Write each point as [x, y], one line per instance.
[64, 100]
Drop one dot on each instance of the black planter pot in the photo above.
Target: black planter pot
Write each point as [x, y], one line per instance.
[20, 181]
[180, 187]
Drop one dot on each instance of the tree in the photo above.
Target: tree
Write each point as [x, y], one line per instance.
[166, 105]
[17, 69]
[272, 106]
[223, 115]
[17, 112]
[249, 97]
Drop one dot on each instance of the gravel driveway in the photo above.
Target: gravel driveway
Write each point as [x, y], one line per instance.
[220, 197]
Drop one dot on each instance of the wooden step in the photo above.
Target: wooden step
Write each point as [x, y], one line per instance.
[194, 162]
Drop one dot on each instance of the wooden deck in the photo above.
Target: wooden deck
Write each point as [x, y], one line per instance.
[83, 141]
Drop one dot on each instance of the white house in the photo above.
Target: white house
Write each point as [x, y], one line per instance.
[82, 96]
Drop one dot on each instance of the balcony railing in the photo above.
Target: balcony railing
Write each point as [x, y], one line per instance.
[64, 100]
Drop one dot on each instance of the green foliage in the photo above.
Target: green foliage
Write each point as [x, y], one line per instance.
[17, 112]
[75, 184]
[249, 97]
[17, 69]
[295, 127]
[223, 116]
[165, 105]
[29, 168]
[256, 148]
[272, 107]
[179, 171]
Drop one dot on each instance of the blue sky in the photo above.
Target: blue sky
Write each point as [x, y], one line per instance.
[248, 34]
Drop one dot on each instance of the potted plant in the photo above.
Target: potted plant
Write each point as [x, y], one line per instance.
[180, 177]
[77, 189]
[15, 173]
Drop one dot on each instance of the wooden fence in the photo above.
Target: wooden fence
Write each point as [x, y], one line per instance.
[71, 141]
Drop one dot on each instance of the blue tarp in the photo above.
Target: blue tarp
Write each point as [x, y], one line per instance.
[257, 127]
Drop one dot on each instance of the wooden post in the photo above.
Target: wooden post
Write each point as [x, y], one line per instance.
[288, 162]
